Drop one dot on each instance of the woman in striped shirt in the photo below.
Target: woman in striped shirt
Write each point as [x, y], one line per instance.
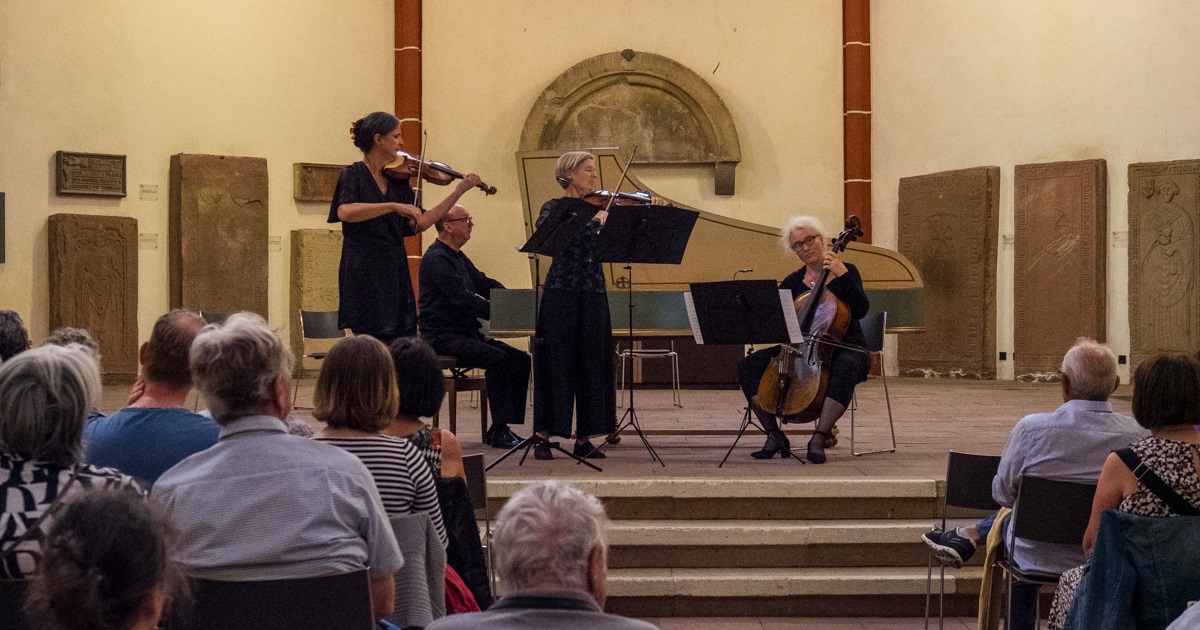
[356, 398]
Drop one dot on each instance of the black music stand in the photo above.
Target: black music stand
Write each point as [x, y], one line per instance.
[644, 235]
[549, 239]
[740, 312]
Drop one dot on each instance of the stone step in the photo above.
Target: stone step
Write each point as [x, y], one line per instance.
[758, 543]
[768, 499]
[808, 592]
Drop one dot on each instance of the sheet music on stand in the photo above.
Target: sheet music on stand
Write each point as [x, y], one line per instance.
[742, 312]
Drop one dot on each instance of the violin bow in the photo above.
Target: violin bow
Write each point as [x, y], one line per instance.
[421, 169]
[613, 196]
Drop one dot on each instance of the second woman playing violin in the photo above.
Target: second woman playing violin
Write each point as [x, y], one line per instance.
[377, 211]
[805, 236]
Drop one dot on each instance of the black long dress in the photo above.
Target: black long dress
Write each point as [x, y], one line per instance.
[574, 344]
[847, 367]
[375, 290]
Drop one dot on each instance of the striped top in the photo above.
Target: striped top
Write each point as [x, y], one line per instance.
[401, 474]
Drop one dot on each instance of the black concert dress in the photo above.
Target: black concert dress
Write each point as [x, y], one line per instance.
[847, 367]
[573, 353]
[375, 290]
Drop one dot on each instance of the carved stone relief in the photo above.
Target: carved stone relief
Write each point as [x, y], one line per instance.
[93, 285]
[1061, 212]
[1164, 215]
[637, 99]
[218, 233]
[315, 258]
[315, 182]
[948, 227]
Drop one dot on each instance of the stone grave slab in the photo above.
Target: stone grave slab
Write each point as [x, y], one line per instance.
[94, 285]
[218, 233]
[315, 258]
[1061, 218]
[949, 223]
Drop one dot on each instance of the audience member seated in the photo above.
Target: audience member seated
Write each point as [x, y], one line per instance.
[262, 504]
[1189, 620]
[552, 555]
[155, 431]
[420, 383]
[65, 336]
[1069, 444]
[356, 398]
[14, 339]
[1166, 400]
[45, 394]
[106, 565]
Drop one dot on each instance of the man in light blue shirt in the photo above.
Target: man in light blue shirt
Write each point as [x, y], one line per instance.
[155, 431]
[262, 504]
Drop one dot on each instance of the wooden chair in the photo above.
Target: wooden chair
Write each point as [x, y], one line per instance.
[460, 380]
[336, 601]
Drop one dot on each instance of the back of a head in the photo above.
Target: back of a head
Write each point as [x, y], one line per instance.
[418, 377]
[67, 335]
[1166, 391]
[45, 396]
[106, 554]
[356, 388]
[1091, 369]
[166, 358]
[236, 363]
[14, 339]
[545, 534]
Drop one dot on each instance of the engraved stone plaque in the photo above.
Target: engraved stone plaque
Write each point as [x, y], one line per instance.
[2, 236]
[315, 182]
[315, 258]
[1061, 216]
[948, 227]
[218, 233]
[1164, 214]
[89, 174]
[93, 285]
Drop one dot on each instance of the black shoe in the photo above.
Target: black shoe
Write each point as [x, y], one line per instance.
[500, 437]
[587, 451]
[512, 435]
[777, 442]
[816, 447]
[541, 450]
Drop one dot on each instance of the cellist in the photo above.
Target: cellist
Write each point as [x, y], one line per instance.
[805, 236]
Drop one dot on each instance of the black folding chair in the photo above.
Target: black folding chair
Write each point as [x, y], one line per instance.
[477, 489]
[873, 326]
[337, 601]
[315, 325]
[12, 605]
[1047, 511]
[968, 486]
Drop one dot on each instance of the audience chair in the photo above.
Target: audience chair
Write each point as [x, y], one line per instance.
[477, 489]
[337, 601]
[461, 380]
[968, 486]
[421, 582]
[629, 354]
[315, 325]
[1047, 511]
[873, 327]
[12, 605]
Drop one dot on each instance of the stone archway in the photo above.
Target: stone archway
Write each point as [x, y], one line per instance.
[630, 99]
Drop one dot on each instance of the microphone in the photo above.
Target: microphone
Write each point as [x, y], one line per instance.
[741, 271]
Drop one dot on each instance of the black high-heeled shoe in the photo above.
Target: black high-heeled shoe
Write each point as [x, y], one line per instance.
[816, 447]
[776, 442]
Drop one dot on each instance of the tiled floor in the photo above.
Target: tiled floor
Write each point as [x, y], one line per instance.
[807, 623]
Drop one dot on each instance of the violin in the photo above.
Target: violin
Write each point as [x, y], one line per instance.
[435, 173]
[604, 198]
[795, 383]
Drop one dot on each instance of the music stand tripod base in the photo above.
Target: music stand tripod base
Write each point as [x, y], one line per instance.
[747, 420]
[528, 443]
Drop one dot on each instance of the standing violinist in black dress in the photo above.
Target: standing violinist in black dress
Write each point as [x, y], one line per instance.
[574, 354]
[376, 209]
[806, 237]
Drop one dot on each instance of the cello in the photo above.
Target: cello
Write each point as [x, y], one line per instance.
[794, 384]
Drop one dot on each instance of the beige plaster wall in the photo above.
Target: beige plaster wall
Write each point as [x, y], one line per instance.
[278, 79]
[776, 65]
[959, 84]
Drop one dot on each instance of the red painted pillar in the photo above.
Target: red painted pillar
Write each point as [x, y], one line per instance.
[408, 99]
[856, 111]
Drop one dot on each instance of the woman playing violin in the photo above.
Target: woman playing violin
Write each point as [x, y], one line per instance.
[574, 370]
[805, 236]
[377, 210]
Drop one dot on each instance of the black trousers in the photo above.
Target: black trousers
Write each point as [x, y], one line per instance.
[573, 371]
[847, 369]
[505, 368]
